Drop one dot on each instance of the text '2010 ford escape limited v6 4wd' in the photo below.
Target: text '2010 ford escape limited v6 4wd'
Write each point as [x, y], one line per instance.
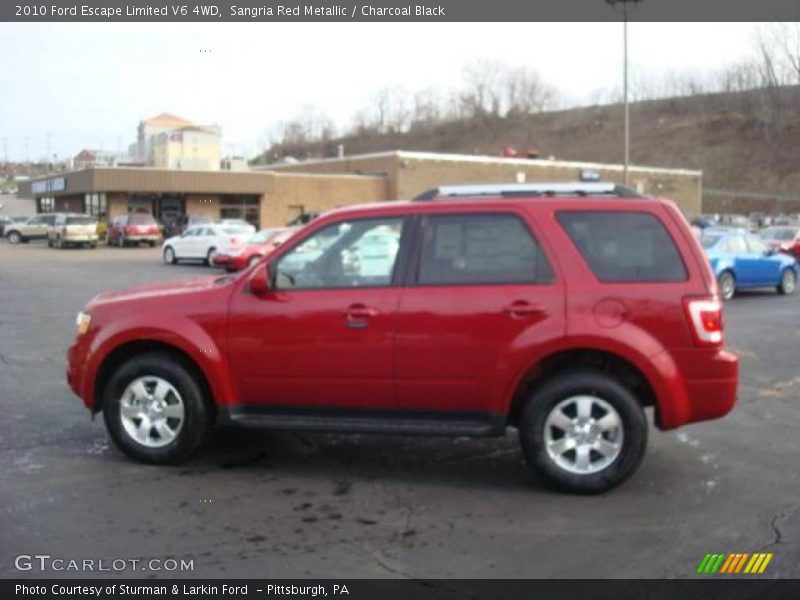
[562, 310]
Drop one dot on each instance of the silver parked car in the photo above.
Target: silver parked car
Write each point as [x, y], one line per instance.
[73, 230]
[35, 228]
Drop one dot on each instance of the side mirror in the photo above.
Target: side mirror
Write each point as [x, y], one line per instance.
[259, 281]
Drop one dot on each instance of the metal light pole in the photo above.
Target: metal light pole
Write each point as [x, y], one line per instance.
[613, 4]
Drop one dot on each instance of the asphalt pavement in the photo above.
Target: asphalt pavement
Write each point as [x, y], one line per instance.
[261, 504]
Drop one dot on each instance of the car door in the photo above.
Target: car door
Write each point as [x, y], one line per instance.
[324, 333]
[36, 227]
[766, 266]
[482, 290]
[185, 244]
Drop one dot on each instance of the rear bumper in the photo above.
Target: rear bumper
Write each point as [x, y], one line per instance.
[79, 238]
[233, 263]
[709, 386]
[144, 237]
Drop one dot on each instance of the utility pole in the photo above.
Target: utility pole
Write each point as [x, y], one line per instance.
[627, 142]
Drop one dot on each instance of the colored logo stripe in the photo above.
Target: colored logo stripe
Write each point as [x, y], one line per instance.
[734, 563]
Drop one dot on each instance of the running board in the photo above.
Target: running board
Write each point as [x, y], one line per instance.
[354, 421]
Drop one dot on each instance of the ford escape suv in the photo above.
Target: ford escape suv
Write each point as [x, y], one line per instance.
[561, 310]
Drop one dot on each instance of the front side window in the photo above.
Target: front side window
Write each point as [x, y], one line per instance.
[480, 249]
[623, 246]
[347, 254]
[755, 245]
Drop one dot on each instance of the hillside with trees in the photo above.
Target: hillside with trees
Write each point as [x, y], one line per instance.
[740, 125]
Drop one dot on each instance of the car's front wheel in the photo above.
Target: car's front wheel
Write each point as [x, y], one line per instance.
[727, 285]
[14, 237]
[169, 256]
[788, 283]
[583, 431]
[155, 410]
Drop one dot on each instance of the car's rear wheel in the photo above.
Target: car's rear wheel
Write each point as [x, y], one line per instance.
[155, 410]
[14, 237]
[788, 283]
[583, 431]
[727, 285]
[169, 256]
[212, 252]
[152, 244]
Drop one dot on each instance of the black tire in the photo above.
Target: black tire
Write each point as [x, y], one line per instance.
[93, 245]
[197, 414]
[586, 382]
[788, 283]
[727, 285]
[210, 256]
[169, 256]
[49, 242]
[14, 237]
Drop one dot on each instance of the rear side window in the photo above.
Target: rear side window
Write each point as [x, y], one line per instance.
[624, 246]
[480, 249]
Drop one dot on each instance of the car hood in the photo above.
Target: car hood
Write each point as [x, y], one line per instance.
[161, 290]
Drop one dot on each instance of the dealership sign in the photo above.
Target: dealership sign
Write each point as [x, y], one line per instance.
[56, 184]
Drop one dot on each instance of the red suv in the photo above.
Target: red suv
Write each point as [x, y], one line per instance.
[133, 228]
[561, 310]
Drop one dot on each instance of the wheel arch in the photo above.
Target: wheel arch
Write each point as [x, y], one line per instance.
[119, 355]
[625, 370]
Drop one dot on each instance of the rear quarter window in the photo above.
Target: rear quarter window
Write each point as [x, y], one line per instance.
[624, 247]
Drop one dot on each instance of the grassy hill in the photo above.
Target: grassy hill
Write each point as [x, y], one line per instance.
[745, 141]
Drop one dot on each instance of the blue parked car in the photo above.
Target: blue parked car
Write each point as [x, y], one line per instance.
[741, 260]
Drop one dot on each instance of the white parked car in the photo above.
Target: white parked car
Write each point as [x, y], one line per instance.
[202, 242]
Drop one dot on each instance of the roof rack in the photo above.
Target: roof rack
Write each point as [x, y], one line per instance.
[571, 189]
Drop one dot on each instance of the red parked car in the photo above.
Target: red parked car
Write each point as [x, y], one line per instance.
[560, 310]
[782, 239]
[133, 228]
[236, 257]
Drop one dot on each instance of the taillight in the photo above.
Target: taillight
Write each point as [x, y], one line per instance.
[705, 320]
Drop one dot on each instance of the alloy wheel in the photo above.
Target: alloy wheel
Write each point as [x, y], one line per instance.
[152, 411]
[583, 434]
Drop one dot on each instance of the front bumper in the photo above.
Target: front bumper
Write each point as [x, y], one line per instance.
[232, 263]
[76, 238]
[77, 365]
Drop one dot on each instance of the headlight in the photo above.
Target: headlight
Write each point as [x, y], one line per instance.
[82, 322]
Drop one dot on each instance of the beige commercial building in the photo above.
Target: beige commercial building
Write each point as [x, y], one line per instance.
[265, 199]
[411, 173]
[276, 194]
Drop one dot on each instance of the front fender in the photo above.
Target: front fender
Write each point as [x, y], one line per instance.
[172, 330]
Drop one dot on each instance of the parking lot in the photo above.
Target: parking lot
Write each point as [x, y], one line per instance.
[300, 505]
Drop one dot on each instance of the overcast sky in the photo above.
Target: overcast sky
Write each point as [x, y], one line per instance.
[89, 85]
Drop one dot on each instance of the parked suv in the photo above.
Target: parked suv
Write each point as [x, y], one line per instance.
[133, 228]
[35, 228]
[563, 311]
[73, 230]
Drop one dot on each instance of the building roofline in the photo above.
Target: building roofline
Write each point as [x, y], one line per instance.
[484, 159]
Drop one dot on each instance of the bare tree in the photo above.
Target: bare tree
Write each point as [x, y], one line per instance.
[482, 93]
[525, 92]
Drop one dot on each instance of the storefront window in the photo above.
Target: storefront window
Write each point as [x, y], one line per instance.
[240, 207]
[96, 205]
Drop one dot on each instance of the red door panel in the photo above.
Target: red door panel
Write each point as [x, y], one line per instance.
[314, 347]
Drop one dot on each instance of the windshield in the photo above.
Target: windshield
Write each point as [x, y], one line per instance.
[263, 236]
[779, 234]
[142, 219]
[710, 239]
